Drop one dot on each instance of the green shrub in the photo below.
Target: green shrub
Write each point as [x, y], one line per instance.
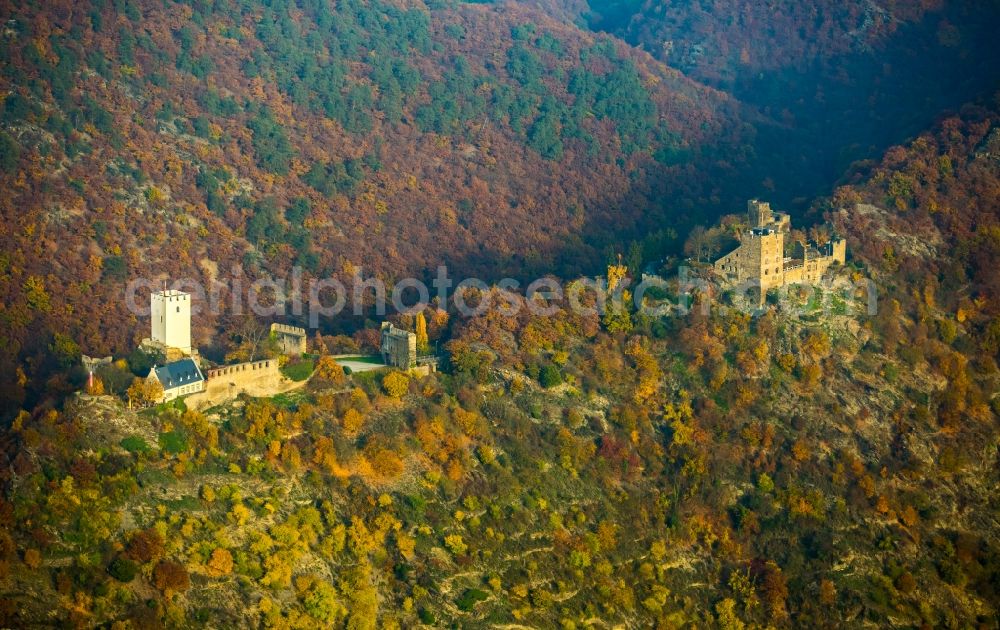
[114, 268]
[10, 153]
[470, 598]
[427, 617]
[550, 376]
[271, 146]
[140, 362]
[134, 444]
[173, 442]
[123, 569]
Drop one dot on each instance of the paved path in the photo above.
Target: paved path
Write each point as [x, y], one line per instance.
[359, 366]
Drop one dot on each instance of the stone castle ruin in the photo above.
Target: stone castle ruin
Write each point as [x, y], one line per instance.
[170, 324]
[398, 347]
[291, 339]
[763, 259]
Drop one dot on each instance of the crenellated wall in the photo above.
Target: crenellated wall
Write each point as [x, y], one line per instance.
[291, 339]
[257, 378]
[242, 371]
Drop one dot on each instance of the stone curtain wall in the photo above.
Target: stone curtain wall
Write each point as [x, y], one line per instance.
[258, 378]
[235, 373]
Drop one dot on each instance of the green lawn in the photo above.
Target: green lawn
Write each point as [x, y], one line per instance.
[299, 370]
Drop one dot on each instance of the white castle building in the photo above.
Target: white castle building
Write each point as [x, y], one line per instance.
[170, 320]
[170, 333]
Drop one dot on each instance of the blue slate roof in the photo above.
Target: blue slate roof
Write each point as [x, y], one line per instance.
[178, 373]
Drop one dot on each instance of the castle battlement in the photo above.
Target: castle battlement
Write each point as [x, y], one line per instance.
[241, 369]
[292, 339]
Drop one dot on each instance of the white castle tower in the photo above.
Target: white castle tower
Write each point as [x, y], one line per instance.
[170, 313]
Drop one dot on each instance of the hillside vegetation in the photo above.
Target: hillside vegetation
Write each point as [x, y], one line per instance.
[839, 81]
[815, 466]
[183, 139]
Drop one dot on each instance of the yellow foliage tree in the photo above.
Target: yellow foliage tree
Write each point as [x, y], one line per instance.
[423, 343]
[220, 563]
[385, 463]
[145, 391]
[353, 421]
[37, 297]
[324, 455]
[648, 371]
[33, 558]
[327, 369]
[396, 384]
[406, 544]
[455, 544]
[96, 388]
[616, 273]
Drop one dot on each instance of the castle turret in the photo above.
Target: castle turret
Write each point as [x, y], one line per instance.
[759, 213]
[838, 251]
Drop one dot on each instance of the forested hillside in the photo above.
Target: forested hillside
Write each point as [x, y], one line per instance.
[839, 80]
[927, 221]
[820, 463]
[719, 40]
[181, 139]
[817, 465]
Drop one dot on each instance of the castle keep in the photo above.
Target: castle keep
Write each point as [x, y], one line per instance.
[399, 347]
[761, 257]
[170, 322]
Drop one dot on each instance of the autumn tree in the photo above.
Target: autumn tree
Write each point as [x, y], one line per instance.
[321, 600]
[353, 421]
[328, 372]
[247, 339]
[325, 455]
[96, 387]
[396, 384]
[145, 391]
[827, 592]
[385, 462]
[363, 599]
[171, 577]
[703, 244]
[220, 562]
[774, 590]
[423, 343]
[617, 318]
[318, 345]
[145, 545]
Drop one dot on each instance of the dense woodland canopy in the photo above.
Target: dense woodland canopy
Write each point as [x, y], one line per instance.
[708, 469]
[839, 81]
[806, 466]
[183, 139]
